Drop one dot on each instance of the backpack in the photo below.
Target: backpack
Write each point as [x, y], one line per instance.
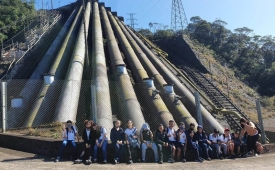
[67, 130]
[133, 142]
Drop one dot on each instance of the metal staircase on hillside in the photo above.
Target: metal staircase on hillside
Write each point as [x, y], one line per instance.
[215, 95]
[23, 73]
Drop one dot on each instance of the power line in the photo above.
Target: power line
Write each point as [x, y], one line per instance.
[132, 20]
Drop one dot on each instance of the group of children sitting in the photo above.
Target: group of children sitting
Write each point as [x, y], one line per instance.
[164, 140]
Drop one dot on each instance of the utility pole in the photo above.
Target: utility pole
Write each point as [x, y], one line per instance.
[178, 17]
[132, 20]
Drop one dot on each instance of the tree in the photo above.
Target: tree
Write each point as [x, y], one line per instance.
[147, 33]
[14, 15]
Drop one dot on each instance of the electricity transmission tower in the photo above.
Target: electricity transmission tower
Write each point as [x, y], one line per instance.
[132, 20]
[178, 17]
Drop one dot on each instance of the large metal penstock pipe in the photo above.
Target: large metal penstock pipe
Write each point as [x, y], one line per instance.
[68, 101]
[161, 112]
[128, 100]
[179, 111]
[189, 100]
[34, 83]
[64, 56]
[103, 101]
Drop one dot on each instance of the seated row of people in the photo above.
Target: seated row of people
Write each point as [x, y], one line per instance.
[175, 142]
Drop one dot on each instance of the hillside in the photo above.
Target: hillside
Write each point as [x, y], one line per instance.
[240, 93]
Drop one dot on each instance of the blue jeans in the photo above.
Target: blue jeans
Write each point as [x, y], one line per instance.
[119, 150]
[206, 149]
[64, 143]
[104, 149]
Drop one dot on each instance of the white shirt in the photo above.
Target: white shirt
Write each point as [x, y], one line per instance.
[226, 139]
[88, 133]
[171, 132]
[182, 137]
[103, 131]
[130, 132]
[214, 138]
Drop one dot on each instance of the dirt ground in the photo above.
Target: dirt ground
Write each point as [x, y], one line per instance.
[14, 160]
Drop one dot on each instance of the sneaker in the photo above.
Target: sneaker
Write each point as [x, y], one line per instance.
[184, 160]
[209, 159]
[143, 161]
[198, 160]
[256, 155]
[243, 156]
[160, 162]
[221, 157]
[88, 161]
[116, 161]
[249, 154]
[57, 160]
[78, 161]
[170, 160]
[130, 161]
[201, 159]
[95, 160]
[105, 161]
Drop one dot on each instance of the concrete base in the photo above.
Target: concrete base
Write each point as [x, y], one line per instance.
[50, 147]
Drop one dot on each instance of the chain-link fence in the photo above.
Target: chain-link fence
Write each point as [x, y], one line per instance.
[33, 106]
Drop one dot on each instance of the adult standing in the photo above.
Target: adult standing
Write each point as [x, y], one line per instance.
[252, 135]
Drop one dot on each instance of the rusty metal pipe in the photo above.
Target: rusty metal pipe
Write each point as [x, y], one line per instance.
[103, 109]
[161, 113]
[188, 100]
[69, 98]
[179, 111]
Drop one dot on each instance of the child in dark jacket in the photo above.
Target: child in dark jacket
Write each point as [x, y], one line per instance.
[117, 137]
[161, 140]
[86, 136]
[193, 146]
[237, 143]
[203, 142]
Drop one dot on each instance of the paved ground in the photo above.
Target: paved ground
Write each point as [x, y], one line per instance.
[10, 160]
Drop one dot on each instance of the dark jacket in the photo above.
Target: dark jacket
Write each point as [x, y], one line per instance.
[237, 141]
[159, 138]
[94, 134]
[117, 135]
[85, 137]
[190, 142]
[200, 138]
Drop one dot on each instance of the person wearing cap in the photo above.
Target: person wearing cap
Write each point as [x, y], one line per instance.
[182, 142]
[214, 138]
[237, 142]
[146, 137]
[204, 144]
[171, 133]
[227, 145]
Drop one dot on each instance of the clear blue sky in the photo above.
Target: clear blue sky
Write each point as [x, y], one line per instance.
[258, 15]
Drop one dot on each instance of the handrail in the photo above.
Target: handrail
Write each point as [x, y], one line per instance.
[26, 52]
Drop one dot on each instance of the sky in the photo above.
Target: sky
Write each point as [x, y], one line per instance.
[258, 15]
